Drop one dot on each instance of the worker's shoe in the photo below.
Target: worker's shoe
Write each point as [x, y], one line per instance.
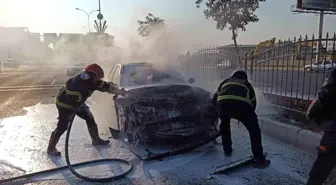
[261, 162]
[100, 141]
[96, 140]
[228, 151]
[52, 151]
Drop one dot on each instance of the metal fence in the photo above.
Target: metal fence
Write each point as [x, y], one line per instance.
[289, 73]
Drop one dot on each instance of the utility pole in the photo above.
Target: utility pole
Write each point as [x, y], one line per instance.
[99, 12]
[88, 16]
[100, 17]
[320, 32]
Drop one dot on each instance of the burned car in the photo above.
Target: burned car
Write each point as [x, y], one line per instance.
[161, 106]
[74, 67]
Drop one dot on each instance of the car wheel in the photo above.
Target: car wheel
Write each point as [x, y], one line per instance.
[308, 69]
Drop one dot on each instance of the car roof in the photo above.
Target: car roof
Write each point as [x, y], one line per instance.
[133, 63]
[170, 71]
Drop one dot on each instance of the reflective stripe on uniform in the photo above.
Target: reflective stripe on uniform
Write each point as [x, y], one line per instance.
[233, 97]
[239, 84]
[246, 99]
[74, 93]
[64, 105]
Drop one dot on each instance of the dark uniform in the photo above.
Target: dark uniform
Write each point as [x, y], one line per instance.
[323, 111]
[235, 99]
[72, 97]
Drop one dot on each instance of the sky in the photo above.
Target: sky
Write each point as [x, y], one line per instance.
[276, 19]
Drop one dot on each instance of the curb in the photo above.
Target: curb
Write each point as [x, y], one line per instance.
[291, 135]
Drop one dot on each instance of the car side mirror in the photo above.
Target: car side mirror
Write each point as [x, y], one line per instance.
[191, 80]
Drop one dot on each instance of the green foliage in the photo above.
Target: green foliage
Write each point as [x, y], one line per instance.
[147, 26]
[234, 14]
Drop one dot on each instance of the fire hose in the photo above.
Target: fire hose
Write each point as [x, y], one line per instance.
[29, 177]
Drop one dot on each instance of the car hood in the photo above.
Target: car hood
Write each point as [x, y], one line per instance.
[164, 89]
[156, 85]
[159, 93]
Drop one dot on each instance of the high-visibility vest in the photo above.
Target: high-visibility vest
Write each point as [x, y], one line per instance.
[68, 92]
[245, 98]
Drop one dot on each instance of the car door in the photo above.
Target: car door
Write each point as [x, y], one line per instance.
[111, 74]
[327, 65]
[317, 66]
[112, 113]
[332, 64]
[116, 76]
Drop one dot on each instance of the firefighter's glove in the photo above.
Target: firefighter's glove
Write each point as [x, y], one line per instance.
[315, 111]
[121, 92]
[112, 87]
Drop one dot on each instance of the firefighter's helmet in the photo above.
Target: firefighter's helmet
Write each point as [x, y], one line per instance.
[95, 69]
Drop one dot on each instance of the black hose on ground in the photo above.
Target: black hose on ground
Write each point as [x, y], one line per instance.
[28, 177]
[71, 168]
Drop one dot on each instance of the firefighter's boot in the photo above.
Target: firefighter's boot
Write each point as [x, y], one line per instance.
[96, 140]
[227, 151]
[52, 151]
[261, 162]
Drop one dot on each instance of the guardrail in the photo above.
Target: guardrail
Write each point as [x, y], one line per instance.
[289, 72]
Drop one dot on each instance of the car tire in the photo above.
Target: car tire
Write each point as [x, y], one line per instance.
[308, 69]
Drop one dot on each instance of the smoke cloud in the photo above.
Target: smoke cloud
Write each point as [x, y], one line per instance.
[161, 48]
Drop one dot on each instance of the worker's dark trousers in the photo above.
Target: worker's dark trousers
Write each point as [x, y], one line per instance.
[64, 116]
[326, 159]
[233, 109]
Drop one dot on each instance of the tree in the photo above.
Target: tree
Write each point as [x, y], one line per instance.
[100, 28]
[234, 14]
[147, 26]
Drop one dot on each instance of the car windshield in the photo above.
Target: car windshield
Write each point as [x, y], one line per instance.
[140, 74]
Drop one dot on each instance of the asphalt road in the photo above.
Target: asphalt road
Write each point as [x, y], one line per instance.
[23, 89]
[25, 139]
[293, 82]
[10, 79]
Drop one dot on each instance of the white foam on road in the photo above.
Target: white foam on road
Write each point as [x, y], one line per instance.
[24, 141]
[29, 86]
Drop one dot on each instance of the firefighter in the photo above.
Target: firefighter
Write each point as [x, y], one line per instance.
[235, 99]
[72, 97]
[322, 110]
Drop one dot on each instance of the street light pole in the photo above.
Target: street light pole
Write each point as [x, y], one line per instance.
[88, 16]
[99, 12]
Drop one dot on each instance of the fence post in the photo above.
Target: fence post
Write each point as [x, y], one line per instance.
[252, 61]
[245, 61]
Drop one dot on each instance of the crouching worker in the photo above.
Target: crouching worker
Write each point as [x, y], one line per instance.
[323, 111]
[235, 99]
[72, 97]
